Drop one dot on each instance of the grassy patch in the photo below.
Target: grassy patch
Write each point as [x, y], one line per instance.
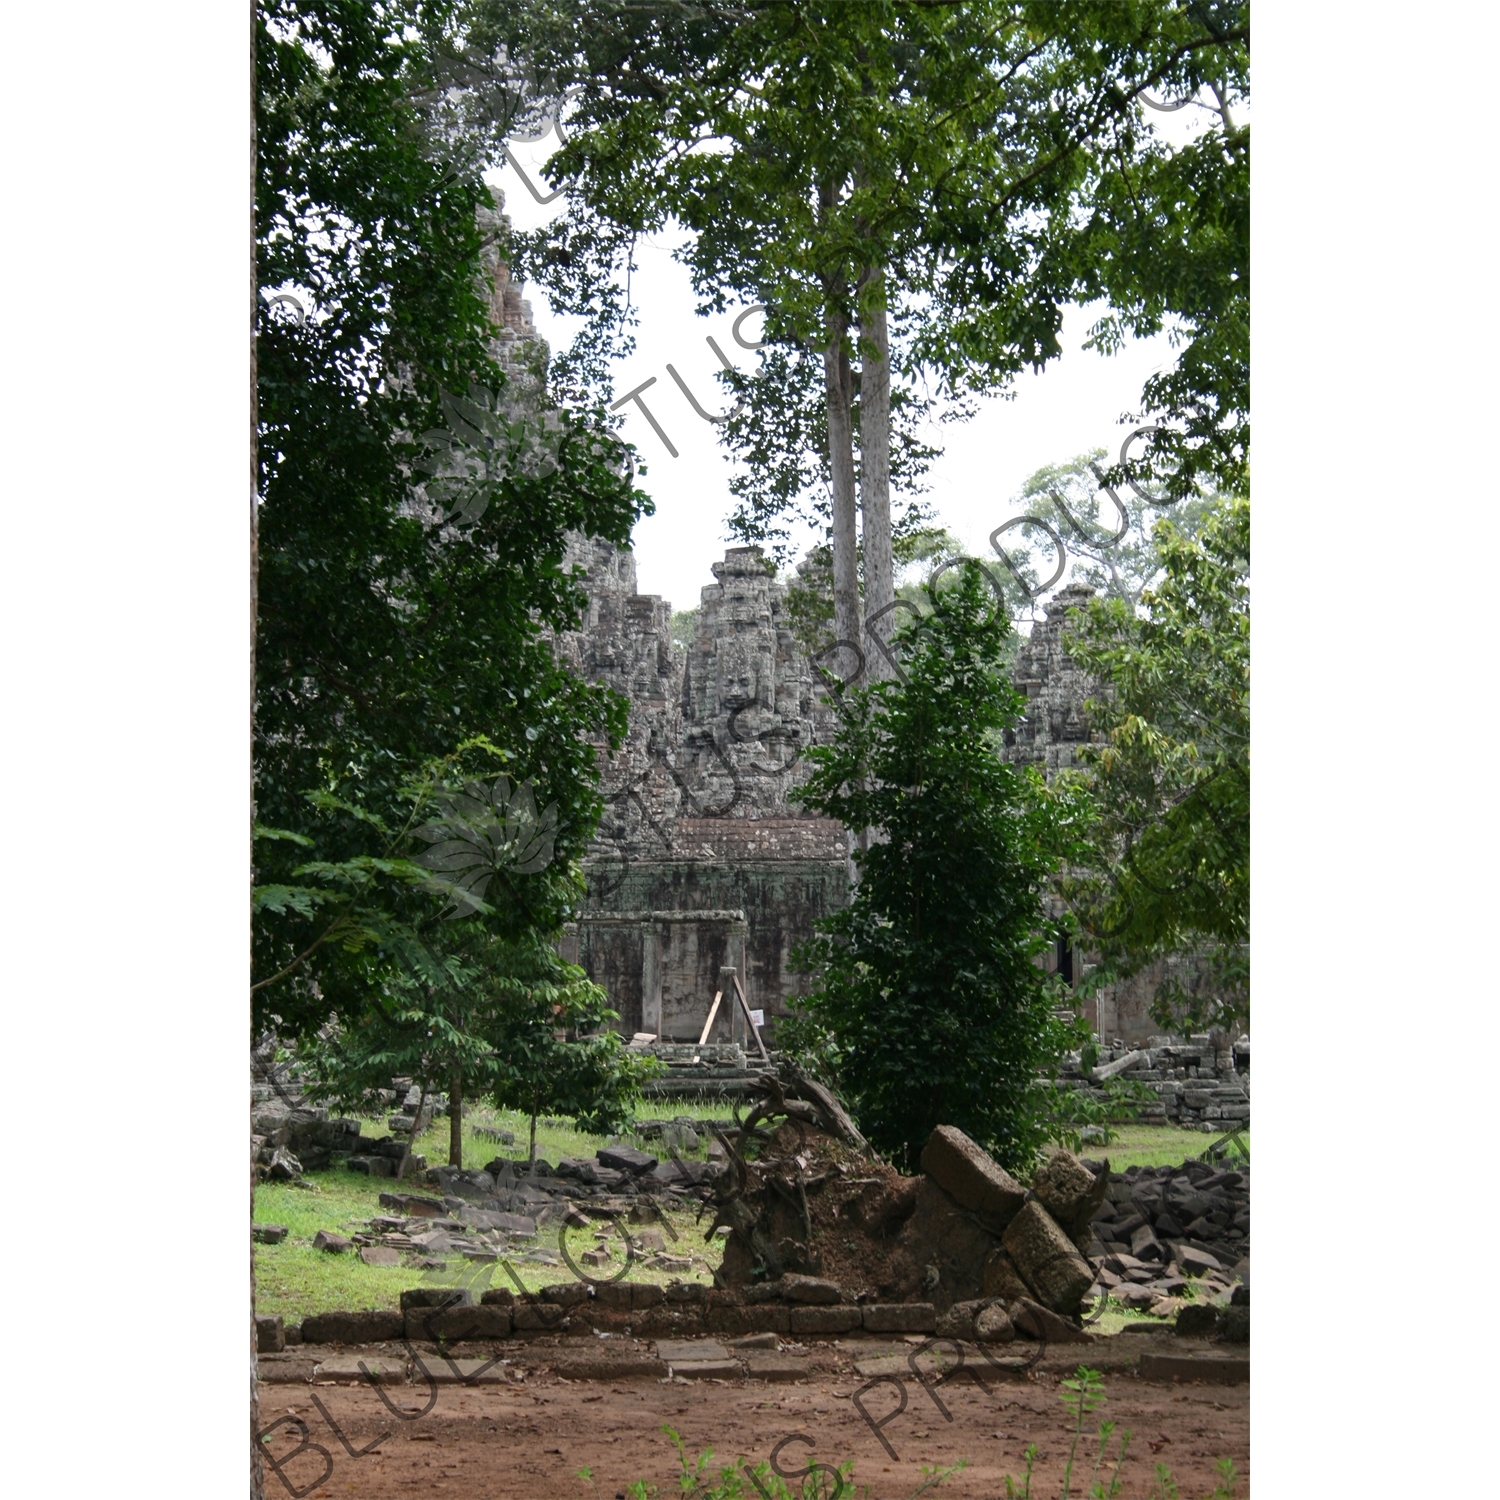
[1114, 1318]
[296, 1281]
[1153, 1146]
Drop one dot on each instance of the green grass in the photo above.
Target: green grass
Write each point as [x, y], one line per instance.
[1153, 1146]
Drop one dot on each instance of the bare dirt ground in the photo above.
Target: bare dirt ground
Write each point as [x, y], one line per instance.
[527, 1435]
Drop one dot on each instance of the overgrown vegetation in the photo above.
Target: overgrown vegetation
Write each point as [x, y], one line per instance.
[928, 1007]
[1169, 866]
[402, 662]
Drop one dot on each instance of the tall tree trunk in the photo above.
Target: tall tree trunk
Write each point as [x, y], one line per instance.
[456, 1119]
[257, 1471]
[838, 385]
[536, 1104]
[875, 467]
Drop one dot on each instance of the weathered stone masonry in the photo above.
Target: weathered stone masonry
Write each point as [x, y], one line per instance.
[698, 819]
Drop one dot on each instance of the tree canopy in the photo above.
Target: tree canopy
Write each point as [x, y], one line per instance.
[914, 192]
[402, 638]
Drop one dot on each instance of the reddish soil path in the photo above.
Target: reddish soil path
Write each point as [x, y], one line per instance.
[527, 1440]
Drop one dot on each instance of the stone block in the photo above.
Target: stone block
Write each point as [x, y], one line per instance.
[497, 1296]
[268, 1234]
[757, 1341]
[768, 1317]
[608, 1365]
[900, 1317]
[708, 1369]
[783, 1367]
[1210, 1368]
[645, 1294]
[625, 1159]
[671, 1322]
[1234, 1324]
[1002, 1280]
[286, 1370]
[809, 1290]
[613, 1296]
[1144, 1245]
[464, 1372]
[825, 1320]
[435, 1296]
[1069, 1191]
[992, 1325]
[348, 1367]
[455, 1325]
[565, 1293]
[1047, 1259]
[1197, 1262]
[413, 1205]
[366, 1327]
[539, 1317]
[1033, 1321]
[379, 1255]
[334, 1243]
[270, 1335]
[1196, 1321]
[958, 1321]
[522, 1224]
[677, 1351]
[971, 1177]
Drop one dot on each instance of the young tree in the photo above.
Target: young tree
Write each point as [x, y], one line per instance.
[505, 1019]
[1169, 867]
[929, 1007]
[554, 1051]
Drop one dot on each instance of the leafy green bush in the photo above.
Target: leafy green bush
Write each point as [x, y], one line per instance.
[929, 1007]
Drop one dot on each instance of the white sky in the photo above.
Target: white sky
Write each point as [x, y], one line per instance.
[1076, 403]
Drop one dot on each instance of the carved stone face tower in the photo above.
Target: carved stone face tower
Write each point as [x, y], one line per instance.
[1056, 688]
[749, 704]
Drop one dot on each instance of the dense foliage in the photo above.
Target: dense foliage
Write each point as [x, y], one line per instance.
[524, 1029]
[1170, 783]
[415, 502]
[929, 1006]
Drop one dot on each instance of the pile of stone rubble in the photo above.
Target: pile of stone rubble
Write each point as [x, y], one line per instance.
[1161, 1230]
[1199, 1084]
[502, 1209]
[995, 1260]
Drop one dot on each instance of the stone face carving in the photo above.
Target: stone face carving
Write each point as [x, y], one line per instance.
[698, 814]
[716, 731]
[1056, 689]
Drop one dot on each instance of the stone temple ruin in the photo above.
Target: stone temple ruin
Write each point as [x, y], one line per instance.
[703, 862]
